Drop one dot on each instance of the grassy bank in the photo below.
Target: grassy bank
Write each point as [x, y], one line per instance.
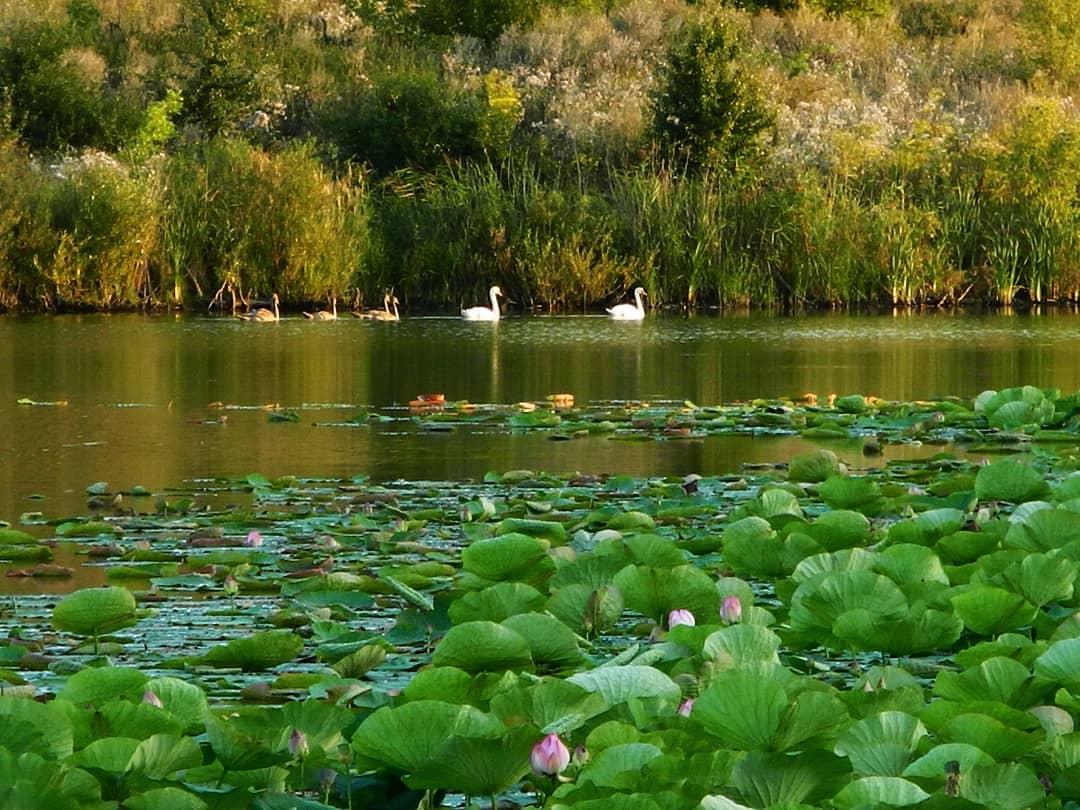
[824, 154]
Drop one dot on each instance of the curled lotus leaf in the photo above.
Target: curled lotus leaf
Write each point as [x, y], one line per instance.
[926, 528]
[483, 646]
[743, 709]
[550, 530]
[989, 610]
[878, 791]
[840, 528]
[654, 551]
[853, 559]
[1044, 530]
[742, 645]
[752, 546]
[815, 466]
[257, 652]
[774, 779]
[1008, 784]
[655, 592]
[498, 602]
[931, 765]
[1042, 578]
[585, 609]
[93, 611]
[10, 537]
[818, 602]
[1009, 480]
[906, 563]
[1061, 664]
[852, 492]
[551, 642]
[508, 557]
[883, 744]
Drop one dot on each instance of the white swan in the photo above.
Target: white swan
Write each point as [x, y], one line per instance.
[322, 314]
[384, 314]
[484, 313]
[629, 312]
[262, 314]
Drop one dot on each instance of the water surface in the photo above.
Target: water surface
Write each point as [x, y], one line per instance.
[142, 391]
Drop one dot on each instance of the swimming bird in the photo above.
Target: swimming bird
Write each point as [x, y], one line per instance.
[484, 313]
[322, 314]
[384, 314]
[262, 314]
[629, 312]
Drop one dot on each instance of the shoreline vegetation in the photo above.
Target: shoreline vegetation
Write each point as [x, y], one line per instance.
[824, 153]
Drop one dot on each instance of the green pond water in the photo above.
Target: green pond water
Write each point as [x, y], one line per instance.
[157, 401]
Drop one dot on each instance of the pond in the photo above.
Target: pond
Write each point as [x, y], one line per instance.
[154, 401]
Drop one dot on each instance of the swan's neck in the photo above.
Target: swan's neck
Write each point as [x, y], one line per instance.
[495, 303]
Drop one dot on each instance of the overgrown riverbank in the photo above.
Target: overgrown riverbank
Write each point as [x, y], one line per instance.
[819, 154]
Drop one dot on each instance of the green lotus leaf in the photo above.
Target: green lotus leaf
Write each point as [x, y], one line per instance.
[587, 610]
[32, 782]
[964, 546]
[161, 756]
[654, 592]
[550, 530]
[720, 803]
[906, 563]
[554, 706]
[166, 798]
[1002, 785]
[184, 700]
[1042, 579]
[928, 527]
[406, 737]
[632, 522]
[33, 727]
[360, 662]
[882, 745]
[918, 631]
[855, 559]
[551, 642]
[482, 646]
[653, 551]
[108, 754]
[496, 603]
[782, 780]
[1009, 480]
[839, 529]
[931, 765]
[989, 610]
[1001, 679]
[815, 466]
[619, 684]
[122, 718]
[621, 766]
[742, 709]
[874, 791]
[97, 686]
[1044, 530]
[13, 537]
[1055, 721]
[95, 611]
[1000, 741]
[818, 602]
[751, 546]
[477, 765]
[593, 570]
[247, 742]
[813, 715]
[323, 724]
[509, 557]
[742, 645]
[775, 502]
[257, 652]
[446, 684]
[851, 492]
[1061, 664]
[92, 528]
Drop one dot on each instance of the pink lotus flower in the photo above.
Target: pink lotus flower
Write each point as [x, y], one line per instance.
[731, 610]
[254, 539]
[686, 707]
[298, 744]
[549, 756]
[152, 699]
[677, 617]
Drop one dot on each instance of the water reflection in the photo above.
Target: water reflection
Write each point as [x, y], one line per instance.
[140, 389]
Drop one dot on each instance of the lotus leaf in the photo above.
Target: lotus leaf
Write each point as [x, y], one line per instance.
[742, 709]
[587, 610]
[655, 592]
[183, 700]
[554, 706]
[496, 603]
[928, 527]
[1054, 720]
[855, 559]
[931, 765]
[1009, 480]
[742, 645]
[752, 546]
[777, 506]
[818, 602]
[989, 610]
[619, 684]
[1044, 530]
[108, 754]
[550, 530]
[161, 756]
[1042, 578]
[481, 646]
[622, 766]
[817, 715]
[1000, 679]
[874, 791]
[93, 611]
[851, 492]
[815, 466]
[91, 528]
[720, 803]
[653, 551]
[95, 687]
[260, 651]
[906, 563]
[10, 537]
[407, 736]
[632, 522]
[122, 718]
[991, 735]
[251, 746]
[1002, 785]
[477, 765]
[551, 642]
[839, 529]
[882, 745]
[1061, 663]
[359, 663]
[918, 631]
[33, 727]
[166, 798]
[965, 546]
[593, 570]
[772, 780]
[509, 557]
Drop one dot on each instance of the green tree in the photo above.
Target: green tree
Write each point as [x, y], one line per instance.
[708, 113]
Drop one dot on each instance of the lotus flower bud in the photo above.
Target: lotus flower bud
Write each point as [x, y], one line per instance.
[152, 699]
[677, 617]
[298, 744]
[686, 707]
[549, 756]
[327, 777]
[580, 756]
[254, 539]
[231, 586]
[731, 610]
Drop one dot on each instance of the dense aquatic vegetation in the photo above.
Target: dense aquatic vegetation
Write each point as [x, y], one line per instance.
[798, 153]
[804, 635]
